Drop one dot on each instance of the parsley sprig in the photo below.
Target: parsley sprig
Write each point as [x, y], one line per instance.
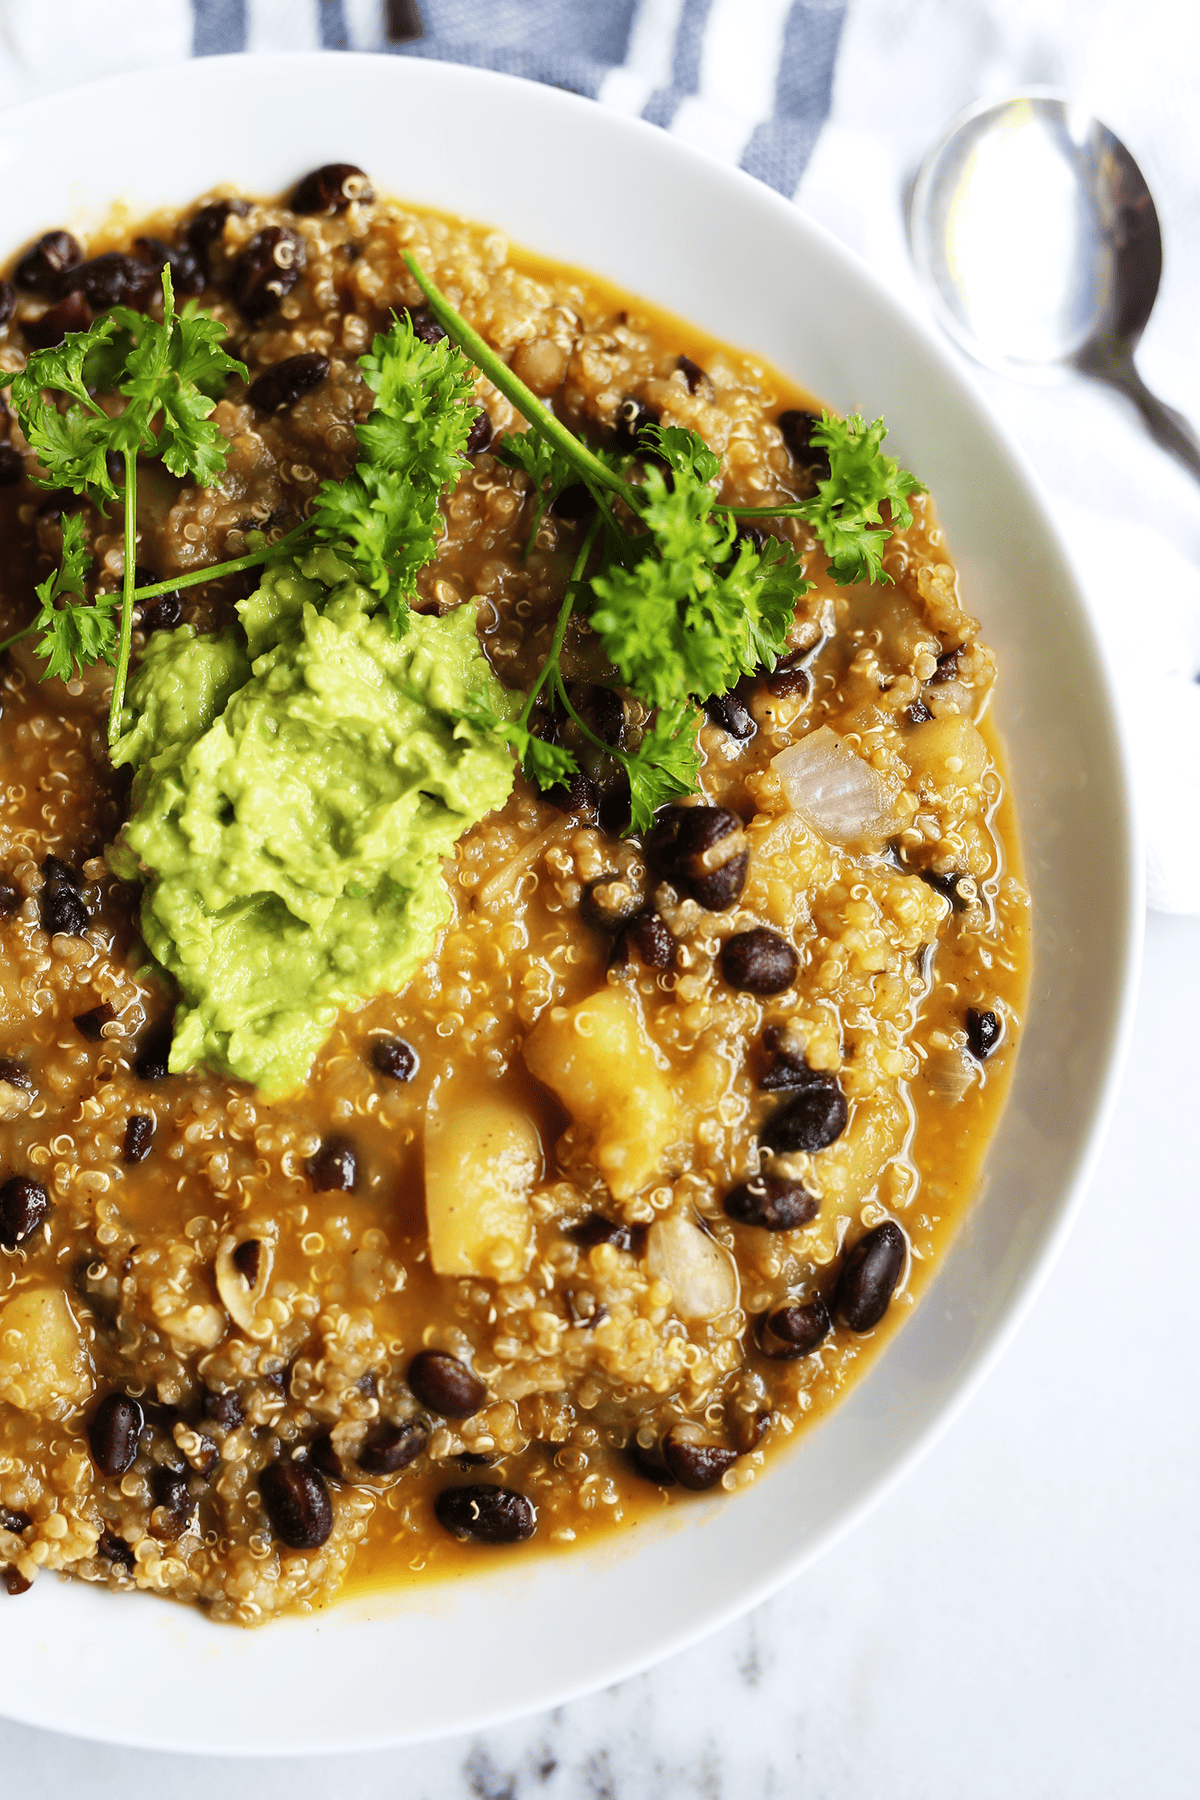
[683, 607]
[385, 518]
[168, 375]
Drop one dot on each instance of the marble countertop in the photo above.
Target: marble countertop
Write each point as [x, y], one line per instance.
[1019, 1618]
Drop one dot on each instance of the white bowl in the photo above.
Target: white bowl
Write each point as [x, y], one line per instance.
[611, 195]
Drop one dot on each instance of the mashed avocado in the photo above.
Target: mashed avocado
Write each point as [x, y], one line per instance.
[292, 804]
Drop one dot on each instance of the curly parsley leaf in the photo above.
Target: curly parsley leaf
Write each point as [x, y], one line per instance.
[74, 634]
[698, 609]
[845, 511]
[548, 470]
[385, 518]
[665, 765]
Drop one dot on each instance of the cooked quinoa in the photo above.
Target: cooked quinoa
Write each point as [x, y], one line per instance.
[213, 1373]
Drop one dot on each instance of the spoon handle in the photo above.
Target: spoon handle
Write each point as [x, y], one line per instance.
[1111, 360]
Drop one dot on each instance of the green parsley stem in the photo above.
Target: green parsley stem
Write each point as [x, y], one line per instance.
[130, 581]
[801, 509]
[16, 637]
[525, 401]
[217, 571]
[564, 614]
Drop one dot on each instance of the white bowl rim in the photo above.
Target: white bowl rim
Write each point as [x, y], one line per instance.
[184, 1736]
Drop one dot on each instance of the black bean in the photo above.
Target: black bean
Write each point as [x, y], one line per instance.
[790, 1070]
[483, 1514]
[331, 188]
[267, 269]
[696, 1466]
[323, 1454]
[13, 1520]
[947, 668]
[10, 898]
[693, 374]
[424, 325]
[15, 1583]
[481, 433]
[285, 382]
[113, 1434]
[393, 1447]
[813, 1120]
[869, 1274]
[609, 902]
[793, 1331]
[14, 1073]
[747, 532]
[113, 279]
[575, 503]
[114, 1549]
[8, 301]
[771, 1202]
[578, 796]
[983, 1033]
[207, 225]
[946, 884]
[604, 711]
[64, 913]
[90, 1025]
[616, 807]
[649, 1464]
[334, 1168]
[41, 268]
[918, 713]
[247, 1260]
[633, 416]
[225, 1410]
[727, 711]
[789, 678]
[445, 1385]
[296, 1501]
[151, 1062]
[596, 1229]
[139, 1136]
[163, 614]
[24, 1204]
[187, 268]
[759, 961]
[649, 938]
[797, 428]
[701, 851]
[70, 314]
[395, 1057]
[12, 465]
[58, 874]
[170, 1490]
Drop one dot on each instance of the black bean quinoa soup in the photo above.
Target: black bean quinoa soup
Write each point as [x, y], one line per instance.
[726, 1086]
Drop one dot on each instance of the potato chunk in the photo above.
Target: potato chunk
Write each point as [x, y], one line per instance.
[947, 752]
[597, 1059]
[480, 1163]
[44, 1363]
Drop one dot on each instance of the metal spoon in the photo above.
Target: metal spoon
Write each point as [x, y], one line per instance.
[1035, 236]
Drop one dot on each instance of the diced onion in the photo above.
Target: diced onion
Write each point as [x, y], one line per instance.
[699, 1272]
[948, 1073]
[835, 791]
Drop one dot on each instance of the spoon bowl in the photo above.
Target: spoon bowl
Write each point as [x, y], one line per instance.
[1036, 238]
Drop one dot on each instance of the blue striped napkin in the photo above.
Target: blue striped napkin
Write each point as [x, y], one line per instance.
[748, 80]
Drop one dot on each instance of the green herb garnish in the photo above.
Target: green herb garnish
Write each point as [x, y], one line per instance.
[385, 518]
[683, 608]
[168, 375]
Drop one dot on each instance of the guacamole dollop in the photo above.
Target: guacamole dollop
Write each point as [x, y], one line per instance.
[293, 800]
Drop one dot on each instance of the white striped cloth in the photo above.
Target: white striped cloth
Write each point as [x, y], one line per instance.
[749, 80]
